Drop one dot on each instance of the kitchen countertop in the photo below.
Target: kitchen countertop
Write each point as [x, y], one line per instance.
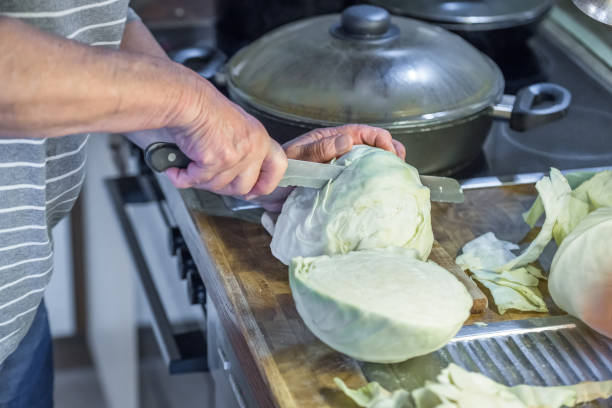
[286, 366]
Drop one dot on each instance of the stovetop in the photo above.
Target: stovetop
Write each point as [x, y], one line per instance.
[583, 139]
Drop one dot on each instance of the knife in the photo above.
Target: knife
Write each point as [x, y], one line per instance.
[162, 156]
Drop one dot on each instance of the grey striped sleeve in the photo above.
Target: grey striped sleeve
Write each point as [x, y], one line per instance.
[40, 179]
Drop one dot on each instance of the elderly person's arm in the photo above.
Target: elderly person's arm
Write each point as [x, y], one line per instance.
[52, 87]
[319, 145]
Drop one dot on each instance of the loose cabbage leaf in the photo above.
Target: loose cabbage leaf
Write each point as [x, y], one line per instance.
[536, 210]
[511, 289]
[373, 395]
[594, 193]
[460, 388]
[515, 289]
[456, 387]
[486, 252]
[597, 191]
[590, 191]
[555, 193]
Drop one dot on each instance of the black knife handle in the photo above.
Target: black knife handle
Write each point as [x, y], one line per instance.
[161, 156]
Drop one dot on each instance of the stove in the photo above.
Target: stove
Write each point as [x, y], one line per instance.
[583, 139]
[580, 140]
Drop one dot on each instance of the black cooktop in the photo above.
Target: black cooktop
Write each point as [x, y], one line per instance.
[582, 139]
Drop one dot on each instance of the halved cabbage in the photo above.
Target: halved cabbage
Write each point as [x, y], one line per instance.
[380, 305]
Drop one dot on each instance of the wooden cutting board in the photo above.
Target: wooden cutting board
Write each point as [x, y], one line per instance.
[285, 365]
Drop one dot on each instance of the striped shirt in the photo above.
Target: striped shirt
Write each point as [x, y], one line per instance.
[41, 178]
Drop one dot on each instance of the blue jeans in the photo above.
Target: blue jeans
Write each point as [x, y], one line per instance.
[26, 376]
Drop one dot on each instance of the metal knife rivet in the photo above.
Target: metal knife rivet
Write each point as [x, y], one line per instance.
[171, 157]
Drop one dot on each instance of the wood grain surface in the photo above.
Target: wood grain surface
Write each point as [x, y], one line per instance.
[286, 366]
[442, 258]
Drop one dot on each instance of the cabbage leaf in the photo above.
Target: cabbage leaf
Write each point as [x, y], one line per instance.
[590, 191]
[555, 193]
[373, 395]
[456, 387]
[511, 289]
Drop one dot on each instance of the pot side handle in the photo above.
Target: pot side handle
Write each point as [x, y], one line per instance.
[525, 112]
[206, 61]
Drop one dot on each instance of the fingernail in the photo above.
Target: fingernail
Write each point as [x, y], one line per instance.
[343, 143]
[250, 197]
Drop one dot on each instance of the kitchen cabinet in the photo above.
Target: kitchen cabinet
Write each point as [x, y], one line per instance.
[231, 388]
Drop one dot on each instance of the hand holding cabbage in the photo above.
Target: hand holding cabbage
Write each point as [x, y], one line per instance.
[326, 144]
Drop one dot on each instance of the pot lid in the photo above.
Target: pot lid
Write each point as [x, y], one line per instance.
[480, 14]
[364, 67]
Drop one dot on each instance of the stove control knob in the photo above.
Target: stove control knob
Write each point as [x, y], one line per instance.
[185, 263]
[175, 239]
[195, 288]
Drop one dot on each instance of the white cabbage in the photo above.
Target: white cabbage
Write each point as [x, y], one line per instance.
[580, 279]
[380, 305]
[376, 202]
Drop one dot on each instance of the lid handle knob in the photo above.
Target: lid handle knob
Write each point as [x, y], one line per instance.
[365, 22]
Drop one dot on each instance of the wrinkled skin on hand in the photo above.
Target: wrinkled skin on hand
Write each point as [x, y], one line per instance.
[323, 145]
[231, 151]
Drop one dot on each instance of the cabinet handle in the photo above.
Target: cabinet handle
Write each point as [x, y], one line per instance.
[224, 361]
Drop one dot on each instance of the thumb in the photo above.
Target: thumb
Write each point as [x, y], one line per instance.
[322, 150]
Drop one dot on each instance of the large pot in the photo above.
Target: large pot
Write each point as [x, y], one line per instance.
[489, 25]
[499, 28]
[431, 89]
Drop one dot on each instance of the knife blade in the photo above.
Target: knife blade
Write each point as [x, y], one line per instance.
[162, 156]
